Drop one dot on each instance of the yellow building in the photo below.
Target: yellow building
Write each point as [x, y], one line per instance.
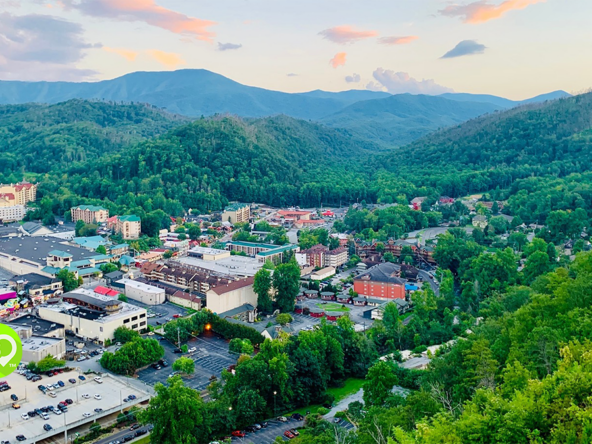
[129, 227]
[17, 194]
[89, 214]
[236, 213]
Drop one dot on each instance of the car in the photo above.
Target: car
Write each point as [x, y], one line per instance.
[177, 351]
[282, 419]
[257, 426]
[163, 363]
[238, 434]
[135, 426]
[45, 416]
[42, 388]
[264, 424]
[15, 406]
[85, 395]
[25, 416]
[250, 429]
[52, 394]
[129, 437]
[21, 438]
[140, 432]
[156, 367]
[44, 409]
[289, 434]
[82, 378]
[63, 407]
[61, 383]
[132, 397]
[50, 408]
[126, 399]
[98, 380]
[69, 401]
[86, 415]
[57, 411]
[192, 350]
[31, 414]
[294, 432]
[297, 417]
[47, 427]
[336, 420]
[97, 396]
[98, 410]
[176, 316]
[36, 378]
[72, 381]
[14, 397]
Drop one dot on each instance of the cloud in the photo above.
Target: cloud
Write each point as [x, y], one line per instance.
[338, 60]
[354, 78]
[292, 74]
[482, 11]
[146, 11]
[167, 59]
[401, 82]
[464, 48]
[346, 34]
[127, 54]
[397, 40]
[9, 4]
[228, 46]
[374, 86]
[42, 47]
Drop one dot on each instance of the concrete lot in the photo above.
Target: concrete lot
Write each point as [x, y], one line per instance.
[162, 311]
[210, 358]
[112, 392]
[268, 434]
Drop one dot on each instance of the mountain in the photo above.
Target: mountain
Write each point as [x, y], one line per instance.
[502, 102]
[190, 92]
[40, 137]
[347, 97]
[403, 118]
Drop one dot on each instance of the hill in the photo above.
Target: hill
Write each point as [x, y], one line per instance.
[39, 138]
[403, 118]
[502, 102]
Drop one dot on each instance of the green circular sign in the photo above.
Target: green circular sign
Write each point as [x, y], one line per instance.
[11, 350]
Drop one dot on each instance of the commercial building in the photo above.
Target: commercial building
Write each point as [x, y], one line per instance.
[129, 227]
[11, 213]
[263, 252]
[320, 256]
[208, 254]
[236, 266]
[39, 287]
[235, 213]
[89, 214]
[36, 348]
[294, 215]
[380, 281]
[92, 316]
[322, 274]
[145, 293]
[226, 297]
[17, 194]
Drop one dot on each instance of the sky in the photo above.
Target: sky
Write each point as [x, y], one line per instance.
[511, 48]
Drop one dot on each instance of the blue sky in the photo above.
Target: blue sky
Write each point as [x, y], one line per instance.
[512, 48]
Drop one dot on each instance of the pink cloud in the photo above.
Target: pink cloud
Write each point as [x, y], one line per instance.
[146, 11]
[168, 59]
[398, 40]
[346, 34]
[127, 54]
[338, 60]
[482, 11]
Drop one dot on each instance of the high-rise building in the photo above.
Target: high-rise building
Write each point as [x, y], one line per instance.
[89, 214]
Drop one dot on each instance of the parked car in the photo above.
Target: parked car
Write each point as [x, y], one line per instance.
[14, 397]
[98, 380]
[289, 434]
[86, 414]
[61, 383]
[57, 411]
[238, 433]
[178, 351]
[250, 429]
[98, 410]
[132, 397]
[297, 417]
[52, 394]
[72, 381]
[82, 378]
[47, 427]
[85, 395]
[15, 406]
[21, 438]
[294, 432]
[69, 401]
[135, 426]
[25, 416]
[45, 416]
[97, 396]
[282, 419]
[264, 424]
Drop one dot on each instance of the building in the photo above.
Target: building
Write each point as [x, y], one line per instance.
[90, 214]
[236, 213]
[59, 259]
[244, 313]
[263, 252]
[480, 221]
[129, 227]
[322, 274]
[232, 295]
[208, 254]
[17, 194]
[12, 213]
[34, 229]
[381, 281]
[35, 348]
[235, 266]
[92, 316]
[294, 215]
[320, 256]
[144, 293]
[38, 287]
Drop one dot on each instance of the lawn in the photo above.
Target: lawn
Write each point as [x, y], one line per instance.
[144, 440]
[331, 306]
[352, 385]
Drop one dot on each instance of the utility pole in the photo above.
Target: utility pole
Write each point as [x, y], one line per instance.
[178, 337]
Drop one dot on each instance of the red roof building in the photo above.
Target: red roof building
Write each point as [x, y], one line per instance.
[106, 291]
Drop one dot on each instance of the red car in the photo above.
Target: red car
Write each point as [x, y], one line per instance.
[176, 316]
[289, 434]
[238, 434]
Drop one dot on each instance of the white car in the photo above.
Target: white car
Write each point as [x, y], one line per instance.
[25, 416]
[282, 419]
[85, 395]
[192, 349]
[57, 411]
[87, 414]
[52, 394]
[45, 416]
[98, 380]
[97, 396]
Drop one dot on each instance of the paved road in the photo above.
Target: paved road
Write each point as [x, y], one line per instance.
[117, 436]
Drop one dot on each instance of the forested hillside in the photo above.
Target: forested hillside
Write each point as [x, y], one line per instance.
[39, 138]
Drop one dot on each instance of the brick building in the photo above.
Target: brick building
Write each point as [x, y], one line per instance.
[380, 281]
[89, 214]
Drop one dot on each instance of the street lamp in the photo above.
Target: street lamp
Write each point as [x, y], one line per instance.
[274, 403]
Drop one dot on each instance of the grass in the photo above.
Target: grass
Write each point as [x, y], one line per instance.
[144, 440]
[351, 386]
[332, 307]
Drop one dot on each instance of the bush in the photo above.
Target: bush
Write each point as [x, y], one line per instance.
[284, 318]
[322, 411]
[340, 415]
[229, 330]
[124, 335]
[132, 356]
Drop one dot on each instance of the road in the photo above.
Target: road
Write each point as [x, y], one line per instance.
[430, 280]
[118, 436]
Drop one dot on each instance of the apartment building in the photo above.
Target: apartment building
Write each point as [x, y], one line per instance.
[320, 256]
[381, 281]
[11, 214]
[17, 194]
[129, 227]
[89, 214]
[238, 212]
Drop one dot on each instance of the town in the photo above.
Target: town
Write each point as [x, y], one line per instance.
[80, 290]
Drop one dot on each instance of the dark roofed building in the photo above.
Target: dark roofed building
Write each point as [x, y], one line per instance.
[381, 281]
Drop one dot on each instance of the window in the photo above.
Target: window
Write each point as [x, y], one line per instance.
[101, 329]
[142, 323]
[143, 315]
[126, 321]
[135, 318]
[134, 326]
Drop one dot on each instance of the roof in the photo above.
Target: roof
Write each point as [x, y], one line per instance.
[59, 253]
[36, 279]
[90, 208]
[129, 218]
[382, 273]
[126, 260]
[480, 218]
[279, 249]
[40, 326]
[253, 244]
[106, 291]
[236, 311]
[93, 300]
[236, 206]
[115, 275]
[32, 227]
[81, 263]
[147, 288]
[232, 286]
[118, 246]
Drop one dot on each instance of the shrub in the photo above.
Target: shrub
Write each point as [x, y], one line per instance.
[322, 411]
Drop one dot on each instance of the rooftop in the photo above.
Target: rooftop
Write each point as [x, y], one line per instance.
[35, 343]
[140, 286]
[233, 265]
[90, 208]
[39, 326]
[253, 244]
[236, 206]
[206, 250]
[225, 288]
[129, 218]
[382, 273]
[37, 249]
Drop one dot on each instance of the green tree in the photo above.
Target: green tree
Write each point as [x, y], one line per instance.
[108, 268]
[262, 286]
[389, 257]
[283, 318]
[69, 280]
[124, 334]
[184, 365]
[48, 363]
[536, 265]
[380, 380]
[101, 249]
[286, 282]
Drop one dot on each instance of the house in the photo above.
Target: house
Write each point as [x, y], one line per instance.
[377, 312]
[381, 281]
[114, 276]
[416, 202]
[90, 214]
[237, 213]
[480, 221]
[408, 272]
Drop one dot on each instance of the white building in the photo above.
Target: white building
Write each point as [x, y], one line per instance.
[223, 298]
[35, 348]
[208, 254]
[92, 316]
[139, 291]
[13, 213]
[324, 273]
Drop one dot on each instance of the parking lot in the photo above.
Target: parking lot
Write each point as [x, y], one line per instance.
[268, 434]
[82, 409]
[163, 312]
[211, 357]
